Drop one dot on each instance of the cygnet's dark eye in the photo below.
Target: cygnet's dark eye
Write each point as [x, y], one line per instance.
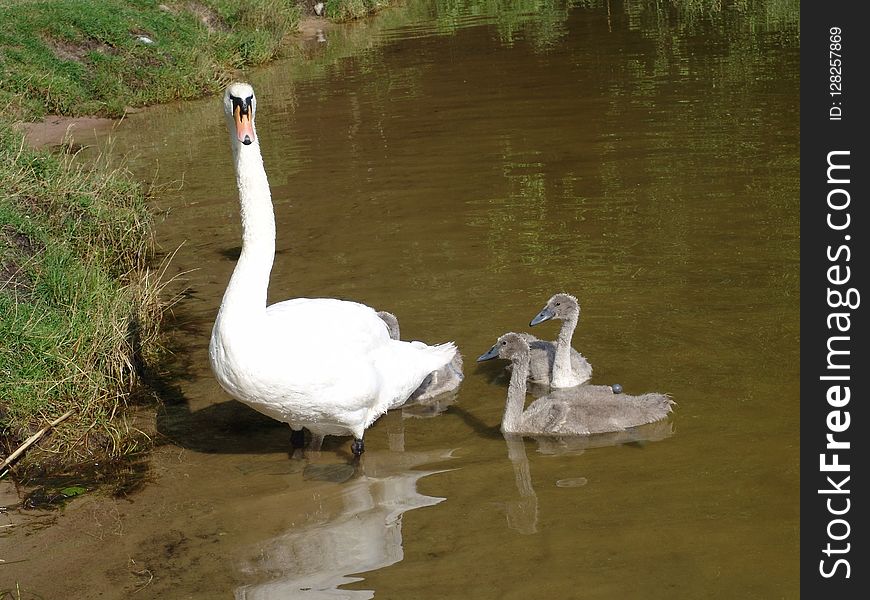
[558, 303]
[504, 343]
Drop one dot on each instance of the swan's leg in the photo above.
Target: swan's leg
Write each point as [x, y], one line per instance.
[297, 443]
[358, 447]
[395, 426]
[297, 438]
[316, 442]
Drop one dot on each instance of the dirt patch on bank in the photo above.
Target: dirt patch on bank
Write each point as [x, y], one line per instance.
[309, 27]
[55, 130]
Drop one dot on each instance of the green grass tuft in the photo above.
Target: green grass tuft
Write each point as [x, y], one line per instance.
[348, 10]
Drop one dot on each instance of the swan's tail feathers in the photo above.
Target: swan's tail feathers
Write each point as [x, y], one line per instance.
[434, 358]
[662, 403]
[445, 352]
[403, 366]
[666, 399]
[456, 366]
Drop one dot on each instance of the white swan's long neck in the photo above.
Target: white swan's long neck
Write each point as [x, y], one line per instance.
[563, 375]
[516, 395]
[249, 284]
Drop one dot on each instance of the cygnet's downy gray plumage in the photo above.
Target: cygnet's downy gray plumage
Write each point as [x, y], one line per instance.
[391, 322]
[582, 410]
[446, 379]
[557, 364]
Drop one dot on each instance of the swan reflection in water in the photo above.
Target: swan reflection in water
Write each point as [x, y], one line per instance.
[314, 560]
[522, 514]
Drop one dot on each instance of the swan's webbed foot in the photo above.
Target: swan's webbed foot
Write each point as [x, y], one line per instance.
[357, 447]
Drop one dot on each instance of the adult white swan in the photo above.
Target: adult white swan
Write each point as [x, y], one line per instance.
[324, 364]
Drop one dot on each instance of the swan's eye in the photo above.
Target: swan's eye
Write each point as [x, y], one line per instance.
[558, 303]
[504, 343]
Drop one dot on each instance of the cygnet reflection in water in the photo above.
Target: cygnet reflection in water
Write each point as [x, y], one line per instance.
[522, 513]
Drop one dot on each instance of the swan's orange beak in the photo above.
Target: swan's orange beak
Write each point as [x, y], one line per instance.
[244, 124]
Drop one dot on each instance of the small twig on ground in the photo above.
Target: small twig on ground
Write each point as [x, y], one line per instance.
[33, 439]
[11, 562]
[142, 573]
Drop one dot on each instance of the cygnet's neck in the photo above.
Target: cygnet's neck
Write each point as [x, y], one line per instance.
[563, 374]
[249, 284]
[516, 395]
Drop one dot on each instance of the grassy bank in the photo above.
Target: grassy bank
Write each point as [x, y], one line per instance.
[79, 309]
[348, 10]
[96, 57]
